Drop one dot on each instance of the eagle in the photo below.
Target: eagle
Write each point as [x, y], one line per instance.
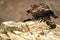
[42, 12]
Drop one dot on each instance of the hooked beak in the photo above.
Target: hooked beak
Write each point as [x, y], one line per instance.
[27, 13]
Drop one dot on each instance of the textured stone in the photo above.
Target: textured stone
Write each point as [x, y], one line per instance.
[31, 30]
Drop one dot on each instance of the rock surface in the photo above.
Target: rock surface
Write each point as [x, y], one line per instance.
[31, 30]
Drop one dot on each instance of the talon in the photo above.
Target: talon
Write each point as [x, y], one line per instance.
[52, 26]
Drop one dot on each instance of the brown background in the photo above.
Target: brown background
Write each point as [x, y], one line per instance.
[15, 10]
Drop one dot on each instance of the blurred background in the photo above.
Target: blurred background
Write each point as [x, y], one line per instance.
[15, 10]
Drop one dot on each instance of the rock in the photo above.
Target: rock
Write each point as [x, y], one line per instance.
[23, 30]
[4, 36]
[17, 32]
[9, 23]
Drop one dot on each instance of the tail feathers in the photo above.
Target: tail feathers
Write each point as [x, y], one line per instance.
[55, 17]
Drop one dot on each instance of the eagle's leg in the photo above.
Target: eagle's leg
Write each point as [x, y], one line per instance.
[50, 22]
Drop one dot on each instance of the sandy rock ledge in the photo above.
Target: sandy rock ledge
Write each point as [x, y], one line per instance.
[31, 30]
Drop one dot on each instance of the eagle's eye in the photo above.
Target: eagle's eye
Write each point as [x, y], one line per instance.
[28, 11]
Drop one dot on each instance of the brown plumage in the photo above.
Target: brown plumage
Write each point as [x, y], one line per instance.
[43, 12]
